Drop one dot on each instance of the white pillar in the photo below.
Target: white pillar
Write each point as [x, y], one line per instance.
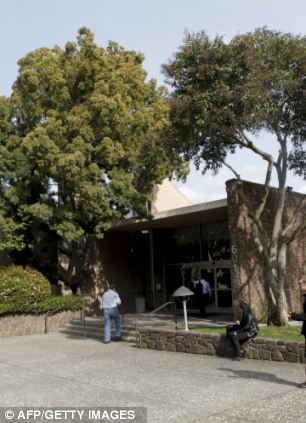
[185, 314]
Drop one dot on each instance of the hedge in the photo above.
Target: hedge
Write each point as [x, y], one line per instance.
[25, 290]
[20, 287]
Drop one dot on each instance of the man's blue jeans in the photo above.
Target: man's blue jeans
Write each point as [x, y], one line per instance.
[109, 314]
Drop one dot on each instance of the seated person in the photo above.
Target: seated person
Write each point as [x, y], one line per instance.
[243, 330]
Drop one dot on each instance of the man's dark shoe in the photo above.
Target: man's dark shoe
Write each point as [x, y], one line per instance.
[237, 358]
[106, 342]
[302, 385]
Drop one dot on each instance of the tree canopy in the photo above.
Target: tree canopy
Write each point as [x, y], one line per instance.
[224, 91]
[80, 141]
[224, 94]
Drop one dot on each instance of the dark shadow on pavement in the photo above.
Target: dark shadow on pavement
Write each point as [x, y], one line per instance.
[250, 374]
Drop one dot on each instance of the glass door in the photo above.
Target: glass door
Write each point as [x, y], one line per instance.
[218, 275]
[223, 288]
[208, 273]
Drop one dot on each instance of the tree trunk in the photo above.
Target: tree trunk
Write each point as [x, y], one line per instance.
[71, 263]
[277, 303]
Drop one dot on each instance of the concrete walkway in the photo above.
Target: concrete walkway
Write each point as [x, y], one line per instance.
[167, 320]
[55, 370]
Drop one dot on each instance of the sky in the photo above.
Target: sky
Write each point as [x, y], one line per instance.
[155, 28]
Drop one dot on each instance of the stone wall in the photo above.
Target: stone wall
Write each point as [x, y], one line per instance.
[247, 275]
[219, 344]
[31, 324]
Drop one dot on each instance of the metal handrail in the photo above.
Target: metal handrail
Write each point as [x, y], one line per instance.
[51, 313]
[161, 307]
[150, 314]
[83, 319]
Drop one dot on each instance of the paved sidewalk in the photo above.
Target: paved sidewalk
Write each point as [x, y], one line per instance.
[55, 370]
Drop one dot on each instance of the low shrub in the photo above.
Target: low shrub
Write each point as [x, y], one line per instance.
[25, 290]
[57, 303]
[20, 287]
[50, 304]
[5, 308]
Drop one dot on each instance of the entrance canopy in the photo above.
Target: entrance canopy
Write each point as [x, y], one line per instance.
[184, 216]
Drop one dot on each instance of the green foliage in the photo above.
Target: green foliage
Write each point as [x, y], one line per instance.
[50, 304]
[57, 303]
[10, 228]
[21, 288]
[28, 291]
[11, 237]
[5, 308]
[254, 82]
[81, 141]
[263, 318]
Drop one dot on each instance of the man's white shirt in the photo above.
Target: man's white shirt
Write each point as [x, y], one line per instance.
[110, 299]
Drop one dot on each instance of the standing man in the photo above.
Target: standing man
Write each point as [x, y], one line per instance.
[203, 295]
[110, 303]
[302, 317]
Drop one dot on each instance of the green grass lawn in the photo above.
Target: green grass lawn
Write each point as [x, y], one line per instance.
[287, 332]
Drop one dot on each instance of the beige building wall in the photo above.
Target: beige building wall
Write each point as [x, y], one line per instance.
[168, 197]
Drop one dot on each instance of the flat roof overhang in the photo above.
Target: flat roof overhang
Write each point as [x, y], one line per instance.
[212, 211]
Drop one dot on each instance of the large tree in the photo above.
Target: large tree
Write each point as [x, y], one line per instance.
[82, 143]
[10, 229]
[224, 95]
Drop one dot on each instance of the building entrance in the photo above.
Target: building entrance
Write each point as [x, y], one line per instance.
[218, 275]
[183, 255]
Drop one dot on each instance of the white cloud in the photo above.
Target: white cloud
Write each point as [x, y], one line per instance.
[302, 190]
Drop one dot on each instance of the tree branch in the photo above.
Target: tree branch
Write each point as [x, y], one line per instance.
[263, 201]
[247, 143]
[263, 251]
[232, 170]
[281, 166]
[295, 234]
[293, 220]
[278, 164]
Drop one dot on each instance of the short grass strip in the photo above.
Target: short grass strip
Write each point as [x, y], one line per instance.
[283, 333]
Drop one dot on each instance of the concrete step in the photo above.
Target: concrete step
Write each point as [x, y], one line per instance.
[97, 331]
[95, 335]
[98, 324]
[94, 329]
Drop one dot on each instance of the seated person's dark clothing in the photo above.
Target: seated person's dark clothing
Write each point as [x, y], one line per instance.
[301, 317]
[246, 329]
